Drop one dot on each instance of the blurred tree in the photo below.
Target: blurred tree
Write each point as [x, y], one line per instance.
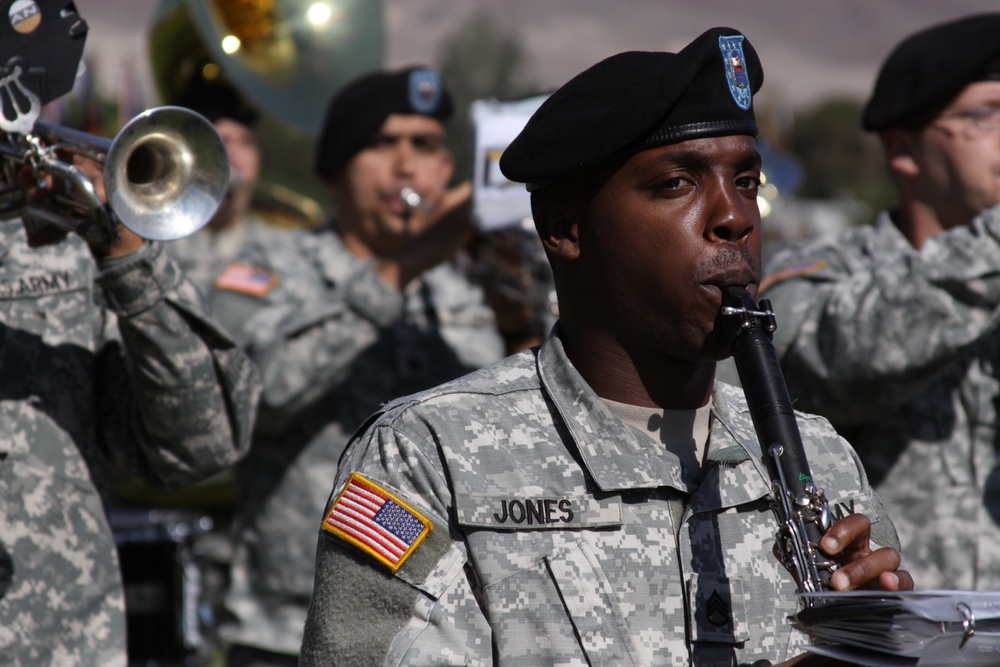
[480, 61]
[840, 159]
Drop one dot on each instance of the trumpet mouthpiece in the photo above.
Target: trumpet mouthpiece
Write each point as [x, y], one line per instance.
[410, 197]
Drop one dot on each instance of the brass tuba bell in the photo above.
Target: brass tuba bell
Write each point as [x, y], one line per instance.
[286, 56]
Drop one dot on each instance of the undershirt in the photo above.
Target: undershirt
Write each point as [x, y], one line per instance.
[682, 432]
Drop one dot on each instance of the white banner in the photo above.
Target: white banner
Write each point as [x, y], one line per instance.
[498, 202]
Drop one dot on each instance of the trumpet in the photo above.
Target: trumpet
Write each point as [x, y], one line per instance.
[165, 174]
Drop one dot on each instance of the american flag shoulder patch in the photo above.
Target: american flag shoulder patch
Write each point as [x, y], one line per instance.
[377, 522]
[246, 279]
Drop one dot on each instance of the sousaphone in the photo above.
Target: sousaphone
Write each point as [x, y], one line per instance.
[286, 56]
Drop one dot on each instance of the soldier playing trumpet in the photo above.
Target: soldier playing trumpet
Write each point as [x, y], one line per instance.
[108, 360]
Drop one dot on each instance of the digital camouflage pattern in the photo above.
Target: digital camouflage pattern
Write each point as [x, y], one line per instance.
[333, 342]
[563, 536]
[120, 365]
[900, 350]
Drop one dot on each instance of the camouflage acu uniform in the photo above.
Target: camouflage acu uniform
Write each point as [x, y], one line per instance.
[333, 342]
[899, 349]
[205, 253]
[562, 536]
[118, 363]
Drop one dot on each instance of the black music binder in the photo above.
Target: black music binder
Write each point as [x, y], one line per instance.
[933, 628]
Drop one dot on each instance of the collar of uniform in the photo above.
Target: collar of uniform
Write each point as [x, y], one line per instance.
[614, 454]
[885, 237]
[334, 260]
[336, 263]
[618, 459]
[735, 472]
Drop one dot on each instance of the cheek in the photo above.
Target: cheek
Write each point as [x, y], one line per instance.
[433, 175]
[247, 162]
[253, 164]
[653, 276]
[963, 162]
[981, 161]
[366, 178]
[642, 253]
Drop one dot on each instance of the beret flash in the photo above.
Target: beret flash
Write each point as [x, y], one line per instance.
[358, 110]
[638, 100]
[927, 70]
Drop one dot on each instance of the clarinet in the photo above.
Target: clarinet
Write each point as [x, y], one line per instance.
[801, 508]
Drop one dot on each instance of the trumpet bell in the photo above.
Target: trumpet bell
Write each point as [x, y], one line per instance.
[166, 173]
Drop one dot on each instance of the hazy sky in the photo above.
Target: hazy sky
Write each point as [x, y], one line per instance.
[809, 48]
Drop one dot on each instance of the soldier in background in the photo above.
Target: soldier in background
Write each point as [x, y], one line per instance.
[599, 499]
[341, 320]
[158, 529]
[108, 361]
[204, 254]
[890, 330]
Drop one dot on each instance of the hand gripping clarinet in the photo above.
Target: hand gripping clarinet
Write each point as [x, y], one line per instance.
[801, 507]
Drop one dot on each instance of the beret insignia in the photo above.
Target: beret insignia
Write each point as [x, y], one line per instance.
[736, 69]
[424, 91]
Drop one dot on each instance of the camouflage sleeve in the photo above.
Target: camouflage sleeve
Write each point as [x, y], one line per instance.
[883, 529]
[839, 472]
[425, 612]
[172, 381]
[859, 336]
[304, 339]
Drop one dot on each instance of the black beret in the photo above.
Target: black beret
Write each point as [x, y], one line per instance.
[929, 69]
[358, 110]
[215, 100]
[638, 100]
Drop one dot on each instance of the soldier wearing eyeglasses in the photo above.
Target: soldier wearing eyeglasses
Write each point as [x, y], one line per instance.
[890, 330]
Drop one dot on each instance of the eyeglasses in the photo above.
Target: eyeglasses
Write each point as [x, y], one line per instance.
[982, 118]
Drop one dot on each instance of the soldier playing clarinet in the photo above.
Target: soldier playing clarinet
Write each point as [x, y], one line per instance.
[599, 499]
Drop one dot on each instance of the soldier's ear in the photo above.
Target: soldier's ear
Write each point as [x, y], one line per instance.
[557, 227]
[900, 149]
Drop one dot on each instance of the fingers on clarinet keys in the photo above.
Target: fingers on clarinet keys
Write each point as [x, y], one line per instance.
[825, 517]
